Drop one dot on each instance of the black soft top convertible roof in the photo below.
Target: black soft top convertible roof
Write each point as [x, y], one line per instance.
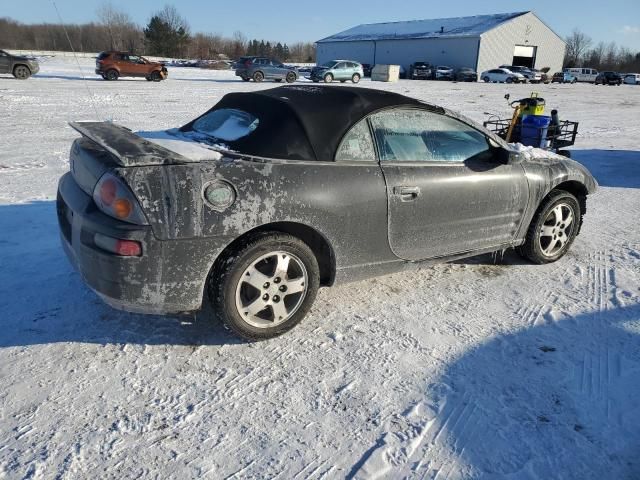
[305, 122]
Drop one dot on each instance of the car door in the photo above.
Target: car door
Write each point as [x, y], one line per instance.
[340, 71]
[449, 191]
[136, 66]
[5, 63]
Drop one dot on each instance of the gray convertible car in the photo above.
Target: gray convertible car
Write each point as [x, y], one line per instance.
[269, 195]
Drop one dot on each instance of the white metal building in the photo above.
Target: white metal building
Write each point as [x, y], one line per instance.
[481, 42]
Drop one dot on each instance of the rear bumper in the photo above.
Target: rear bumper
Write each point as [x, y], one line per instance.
[168, 278]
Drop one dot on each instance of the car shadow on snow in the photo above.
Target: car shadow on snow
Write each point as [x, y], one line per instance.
[612, 168]
[558, 399]
[43, 299]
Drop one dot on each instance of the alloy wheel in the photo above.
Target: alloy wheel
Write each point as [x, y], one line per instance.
[271, 289]
[556, 230]
[22, 73]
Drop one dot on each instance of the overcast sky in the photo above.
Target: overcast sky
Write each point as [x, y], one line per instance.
[290, 21]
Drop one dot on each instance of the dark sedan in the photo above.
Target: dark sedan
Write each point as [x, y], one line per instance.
[269, 195]
[421, 71]
[608, 78]
[263, 68]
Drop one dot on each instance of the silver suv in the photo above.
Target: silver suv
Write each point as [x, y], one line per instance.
[342, 70]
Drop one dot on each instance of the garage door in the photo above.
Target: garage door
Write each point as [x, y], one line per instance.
[524, 56]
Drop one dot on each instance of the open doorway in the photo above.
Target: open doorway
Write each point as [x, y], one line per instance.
[524, 56]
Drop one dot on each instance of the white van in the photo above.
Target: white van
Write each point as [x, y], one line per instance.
[632, 78]
[583, 74]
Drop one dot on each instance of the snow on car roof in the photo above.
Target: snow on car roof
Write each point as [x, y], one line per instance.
[433, 28]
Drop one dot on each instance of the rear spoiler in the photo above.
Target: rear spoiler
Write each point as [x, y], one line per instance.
[128, 149]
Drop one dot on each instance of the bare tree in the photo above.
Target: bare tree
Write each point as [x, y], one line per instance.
[577, 45]
[123, 32]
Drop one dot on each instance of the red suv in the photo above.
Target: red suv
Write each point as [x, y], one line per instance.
[112, 65]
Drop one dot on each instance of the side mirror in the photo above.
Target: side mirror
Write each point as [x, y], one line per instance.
[514, 158]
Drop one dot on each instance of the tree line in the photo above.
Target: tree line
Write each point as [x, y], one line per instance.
[167, 34]
[581, 52]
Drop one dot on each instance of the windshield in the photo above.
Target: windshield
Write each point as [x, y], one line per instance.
[226, 124]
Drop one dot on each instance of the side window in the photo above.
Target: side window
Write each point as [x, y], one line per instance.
[341, 66]
[418, 135]
[357, 144]
[134, 58]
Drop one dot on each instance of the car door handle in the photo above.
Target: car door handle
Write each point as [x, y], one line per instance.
[407, 194]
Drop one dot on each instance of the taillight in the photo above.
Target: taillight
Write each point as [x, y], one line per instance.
[115, 199]
[124, 248]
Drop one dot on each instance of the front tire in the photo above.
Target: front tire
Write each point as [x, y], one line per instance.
[21, 72]
[156, 77]
[486, 79]
[266, 287]
[553, 228]
[291, 77]
[328, 78]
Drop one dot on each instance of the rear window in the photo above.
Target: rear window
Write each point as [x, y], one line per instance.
[226, 124]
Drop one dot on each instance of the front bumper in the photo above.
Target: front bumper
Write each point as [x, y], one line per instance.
[168, 278]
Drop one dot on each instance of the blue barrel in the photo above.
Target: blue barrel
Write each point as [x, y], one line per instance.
[534, 130]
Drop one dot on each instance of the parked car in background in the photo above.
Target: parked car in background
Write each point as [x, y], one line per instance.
[264, 68]
[608, 78]
[544, 76]
[19, 66]
[421, 71]
[366, 70]
[210, 212]
[443, 72]
[502, 75]
[113, 65]
[563, 77]
[632, 78]
[341, 70]
[531, 76]
[583, 74]
[465, 74]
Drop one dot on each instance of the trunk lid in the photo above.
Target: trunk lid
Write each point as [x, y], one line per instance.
[127, 148]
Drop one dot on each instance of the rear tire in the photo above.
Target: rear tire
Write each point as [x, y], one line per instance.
[553, 228]
[265, 310]
[509, 80]
[21, 72]
[258, 77]
[355, 78]
[112, 75]
[328, 78]
[486, 79]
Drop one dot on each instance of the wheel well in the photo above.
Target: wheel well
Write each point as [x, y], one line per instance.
[318, 244]
[21, 65]
[579, 191]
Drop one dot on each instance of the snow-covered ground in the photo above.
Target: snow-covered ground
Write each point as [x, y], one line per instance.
[485, 368]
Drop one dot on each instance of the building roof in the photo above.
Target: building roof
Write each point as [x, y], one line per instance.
[434, 28]
[305, 122]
